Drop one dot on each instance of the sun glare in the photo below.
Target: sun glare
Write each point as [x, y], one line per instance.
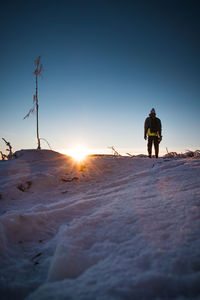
[78, 153]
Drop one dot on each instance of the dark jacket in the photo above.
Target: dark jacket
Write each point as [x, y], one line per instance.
[152, 126]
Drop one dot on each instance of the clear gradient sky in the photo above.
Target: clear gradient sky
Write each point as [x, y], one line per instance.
[106, 64]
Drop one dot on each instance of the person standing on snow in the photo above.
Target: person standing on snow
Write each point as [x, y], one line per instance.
[153, 129]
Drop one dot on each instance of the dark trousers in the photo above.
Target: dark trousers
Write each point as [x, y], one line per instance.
[153, 140]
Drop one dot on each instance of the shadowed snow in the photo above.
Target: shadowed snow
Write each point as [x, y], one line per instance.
[108, 228]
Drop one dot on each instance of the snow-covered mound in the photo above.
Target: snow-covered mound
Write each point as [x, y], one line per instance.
[108, 228]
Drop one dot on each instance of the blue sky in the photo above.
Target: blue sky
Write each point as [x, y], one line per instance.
[105, 65]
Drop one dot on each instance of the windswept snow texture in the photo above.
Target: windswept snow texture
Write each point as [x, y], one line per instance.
[110, 228]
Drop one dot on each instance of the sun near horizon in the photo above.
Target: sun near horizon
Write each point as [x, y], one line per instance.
[78, 153]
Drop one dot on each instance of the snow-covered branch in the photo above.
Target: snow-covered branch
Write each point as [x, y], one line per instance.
[114, 151]
[10, 155]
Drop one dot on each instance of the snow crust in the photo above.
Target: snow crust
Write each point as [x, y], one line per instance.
[109, 228]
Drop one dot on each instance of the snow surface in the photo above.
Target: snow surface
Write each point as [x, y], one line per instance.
[109, 228]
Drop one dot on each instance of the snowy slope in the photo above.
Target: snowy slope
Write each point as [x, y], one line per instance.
[111, 228]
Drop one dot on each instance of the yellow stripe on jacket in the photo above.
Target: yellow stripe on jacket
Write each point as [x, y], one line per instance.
[149, 133]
